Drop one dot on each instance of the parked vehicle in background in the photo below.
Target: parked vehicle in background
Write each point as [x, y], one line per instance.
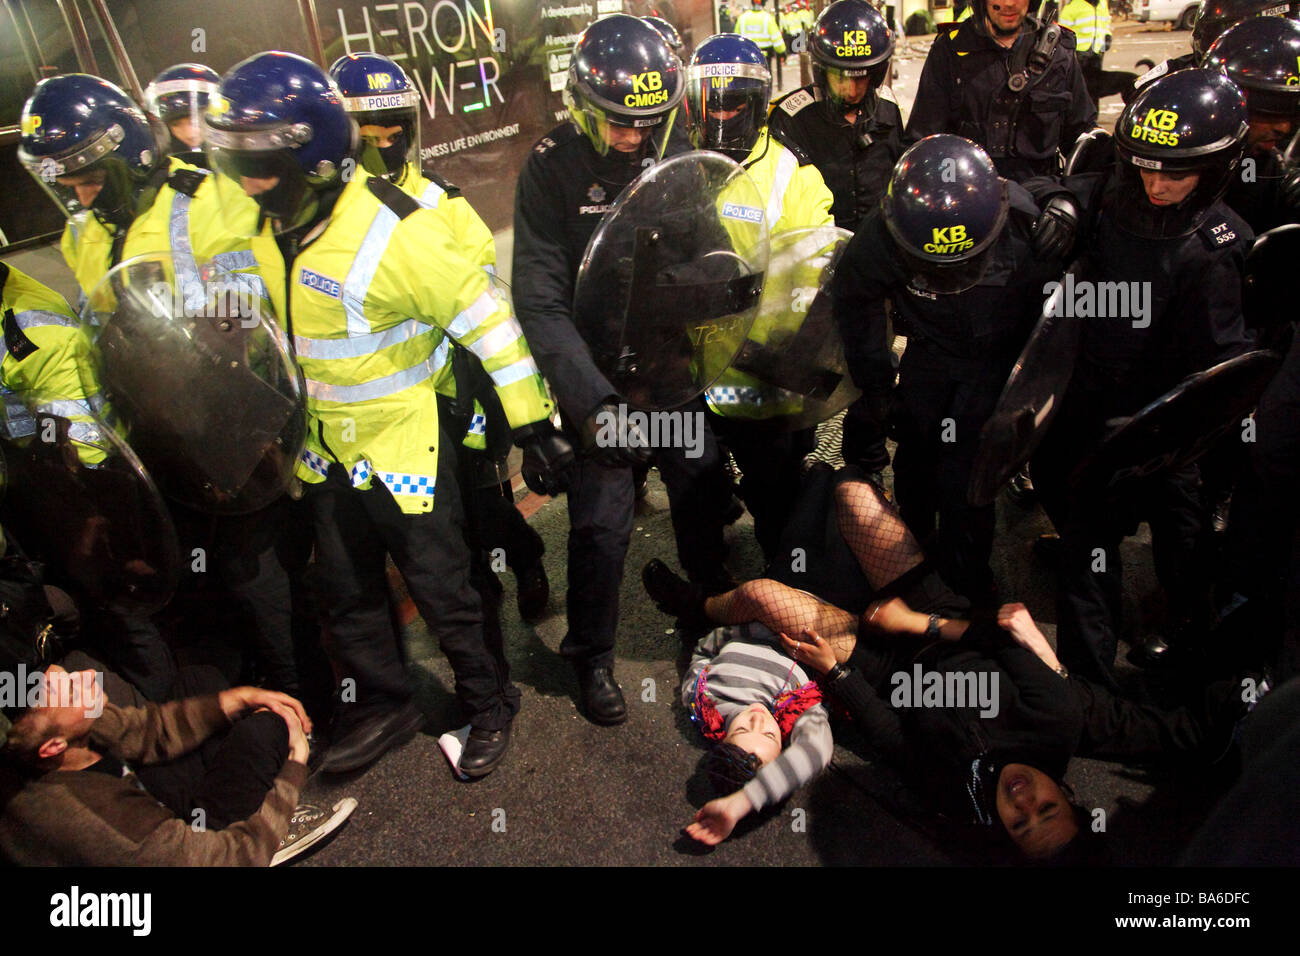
[1178, 12]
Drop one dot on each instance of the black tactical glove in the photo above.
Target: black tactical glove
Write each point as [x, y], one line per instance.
[863, 441]
[1056, 228]
[613, 439]
[548, 458]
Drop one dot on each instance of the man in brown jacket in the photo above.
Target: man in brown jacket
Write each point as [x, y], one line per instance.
[69, 794]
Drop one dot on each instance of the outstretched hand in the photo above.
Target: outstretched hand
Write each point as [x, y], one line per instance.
[716, 819]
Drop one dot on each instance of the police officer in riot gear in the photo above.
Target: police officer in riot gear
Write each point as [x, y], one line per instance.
[727, 94]
[1213, 20]
[950, 243]
[385, 104]
[379, 465]
[1262, 56]
[1155, 226]
[623, 87]
[847, 120]
[179, 96]
[849, 123]
[1009, 83]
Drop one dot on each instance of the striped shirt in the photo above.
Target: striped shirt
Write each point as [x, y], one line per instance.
[747, 666]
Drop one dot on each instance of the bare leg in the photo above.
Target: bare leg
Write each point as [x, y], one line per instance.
[883, 545]
[783, 609]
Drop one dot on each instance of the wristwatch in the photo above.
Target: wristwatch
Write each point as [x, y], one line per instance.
[932, 628]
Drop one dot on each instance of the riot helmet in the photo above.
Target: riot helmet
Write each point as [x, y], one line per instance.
[622, 77]
[668, 32]
[379, 95]
[89, 146]
[728, 87]
[1216, 16]
[1189, 122]
[178, 97]
[850, 41]
[277, 131]
[944, 210]
[1261, 56]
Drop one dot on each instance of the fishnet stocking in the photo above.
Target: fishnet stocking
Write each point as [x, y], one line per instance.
[875, 533]
[783, 609]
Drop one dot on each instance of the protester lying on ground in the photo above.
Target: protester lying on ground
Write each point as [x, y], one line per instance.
[979, 714]
[219, 776]
[763, 712]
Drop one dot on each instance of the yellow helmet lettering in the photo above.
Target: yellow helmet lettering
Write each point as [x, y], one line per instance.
[380, 81]
[31, 124]
[647, 82]
[1160, 119]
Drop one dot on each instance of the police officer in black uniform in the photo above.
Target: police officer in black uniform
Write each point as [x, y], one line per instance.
[1157, 225]
[1262, 56]
[951, 244]
[1009, 83]
[847, 120]
[572, 177]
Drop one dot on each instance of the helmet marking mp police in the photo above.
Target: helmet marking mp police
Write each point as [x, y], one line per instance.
[728, 88]
[379, 95]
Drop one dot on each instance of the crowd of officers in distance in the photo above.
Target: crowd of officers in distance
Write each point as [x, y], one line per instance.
[419, 375]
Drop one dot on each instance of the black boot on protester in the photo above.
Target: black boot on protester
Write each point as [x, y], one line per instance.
[672, 595]
[602, 701]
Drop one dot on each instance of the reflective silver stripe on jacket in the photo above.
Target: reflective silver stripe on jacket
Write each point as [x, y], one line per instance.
[381, 387]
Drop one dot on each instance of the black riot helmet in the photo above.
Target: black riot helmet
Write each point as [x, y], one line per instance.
[728, 88]
[1192, 121]
[1262, 56]
[850, 40]
[944, 209]
[1216, 16]
[622, 73]
[668, 32]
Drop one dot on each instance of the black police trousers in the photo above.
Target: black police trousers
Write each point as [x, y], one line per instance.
[601, 512]
[355, 532]
[1090, 592]
[937, 423]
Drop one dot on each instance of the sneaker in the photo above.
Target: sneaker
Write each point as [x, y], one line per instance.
[309, 825]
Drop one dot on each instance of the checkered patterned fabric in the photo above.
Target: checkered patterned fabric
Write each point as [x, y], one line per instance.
[407, 484]
[478, 425]
[360, 473]
[315, 462]
[733, 395]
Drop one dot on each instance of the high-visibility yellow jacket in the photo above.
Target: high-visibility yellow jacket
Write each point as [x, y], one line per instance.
[187, 218]
[374, 302]
[45, 369]
[806, 18]
[789, 22]
[760, 26]
[475, 240]
[797, 198]
[1091, 24]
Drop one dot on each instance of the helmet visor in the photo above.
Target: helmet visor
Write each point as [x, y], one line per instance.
[390, 131]
[726, 106]
[104, 189]
[180, 105]
[613, 134]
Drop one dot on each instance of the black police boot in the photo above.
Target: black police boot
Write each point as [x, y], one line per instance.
[483, 751]
[602, 701]
[534, 591]
[359, 741]
[672, 595]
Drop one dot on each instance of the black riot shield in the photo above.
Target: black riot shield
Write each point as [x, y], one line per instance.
[201, 377]
[1269, 300]
[670, 282]
[1029, 400]
[87, 509]
[790, 370]
[1179, 426]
